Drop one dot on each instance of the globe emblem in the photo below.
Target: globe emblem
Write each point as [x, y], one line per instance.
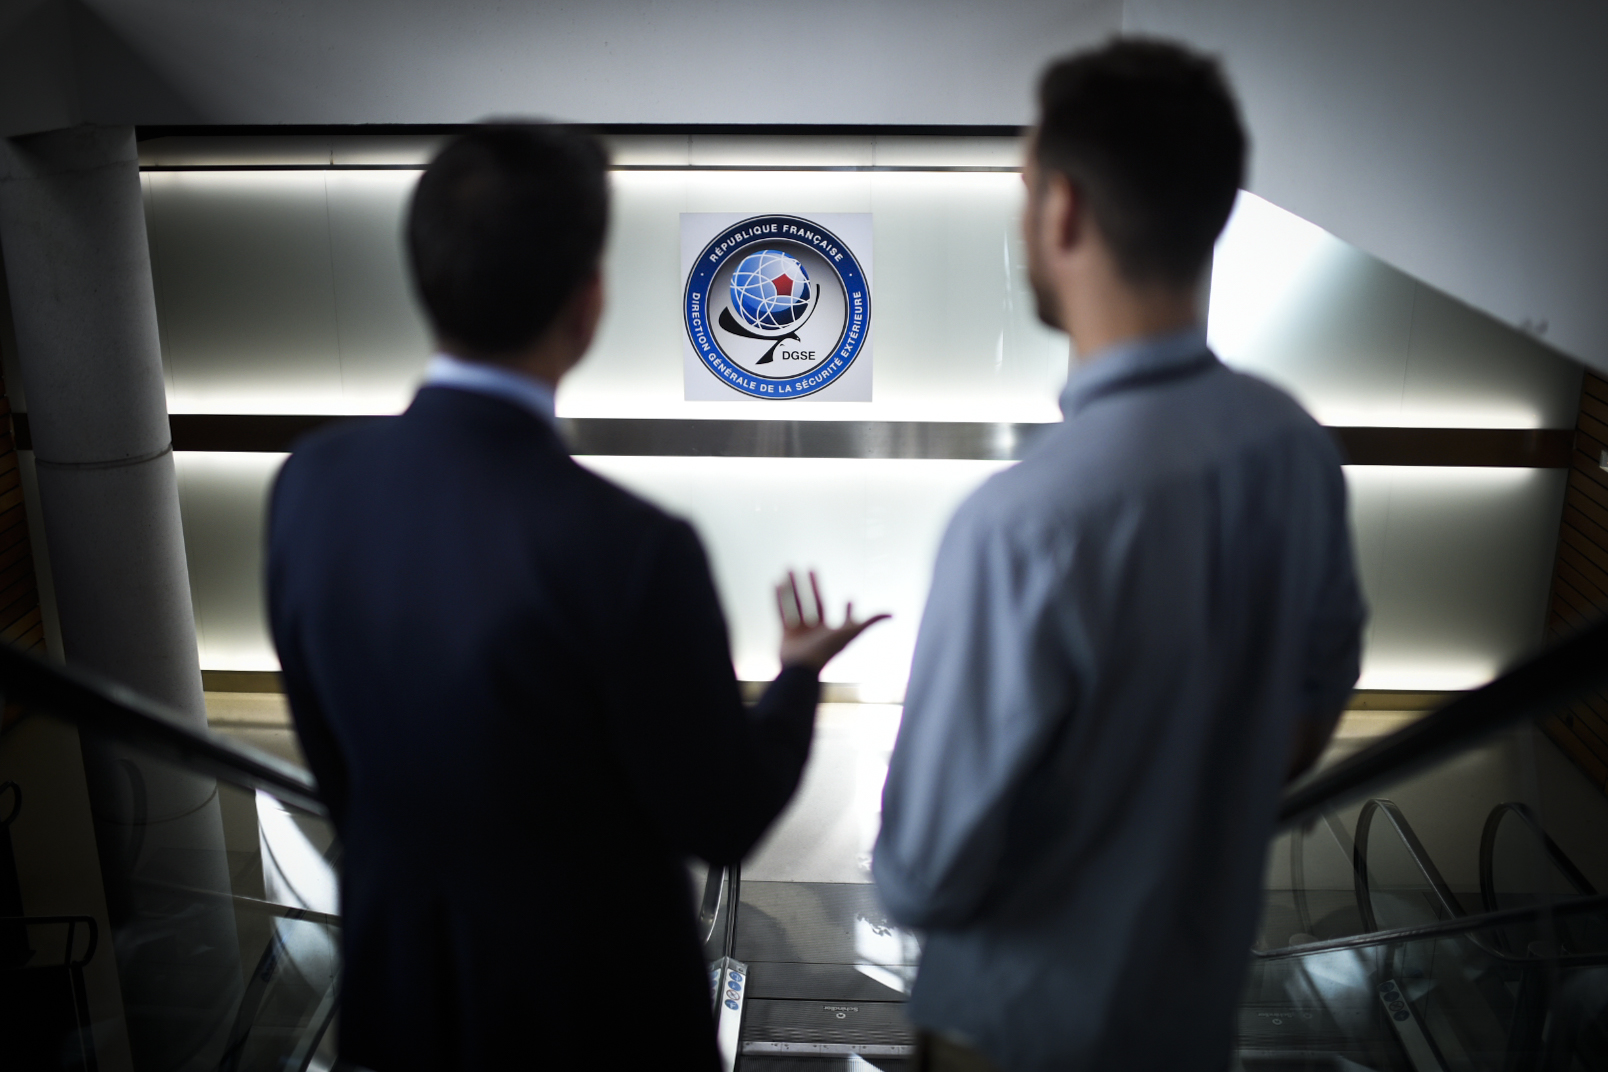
[772, 293]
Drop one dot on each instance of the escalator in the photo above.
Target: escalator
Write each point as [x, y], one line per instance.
[167, 898]
[1433, 979]
[1420, 914]
[1432, 903]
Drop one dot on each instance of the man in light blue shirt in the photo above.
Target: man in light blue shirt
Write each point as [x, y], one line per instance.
[1135, 637]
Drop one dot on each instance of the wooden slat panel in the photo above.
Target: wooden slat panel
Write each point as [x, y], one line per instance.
[1579, 601]
[19, 551]
[1579, 581]
[1593, 577]
[13, 529]
[1593, 768]
[33, 640]
[1591, 727]
[1594, 428]
[1575, 609]
[1596, 702]
[1586, 525]
[21, 625]
[15, 572]
[1588, 490]
[1588, 468]
[1589, 732]
[1580, 576]
[16, 600]
[1587, 548]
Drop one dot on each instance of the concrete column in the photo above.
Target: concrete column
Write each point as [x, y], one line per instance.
[72, 231]
[72, 228]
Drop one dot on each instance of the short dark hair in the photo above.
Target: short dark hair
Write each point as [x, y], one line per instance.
[507, 221]
[1149, 134]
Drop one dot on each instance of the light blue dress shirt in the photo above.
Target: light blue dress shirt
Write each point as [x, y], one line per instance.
[1123, 633]
[484, 378]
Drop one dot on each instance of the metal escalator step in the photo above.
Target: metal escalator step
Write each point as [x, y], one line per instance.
[819, 923]
[867, 1028]
[829, 982]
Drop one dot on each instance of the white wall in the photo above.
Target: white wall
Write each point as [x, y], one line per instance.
[624, 61]
[1460, 140]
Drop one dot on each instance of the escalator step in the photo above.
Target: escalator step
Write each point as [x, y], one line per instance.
[875, 1028]
[834, 983]
[819, 923]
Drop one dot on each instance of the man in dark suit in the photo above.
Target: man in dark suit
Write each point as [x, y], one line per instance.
[510, 677]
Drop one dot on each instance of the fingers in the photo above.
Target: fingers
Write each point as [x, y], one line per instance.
[796, 614]
[853, 628]
[798, 600]
[787, 606]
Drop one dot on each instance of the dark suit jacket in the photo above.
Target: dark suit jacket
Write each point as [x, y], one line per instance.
[512, 681]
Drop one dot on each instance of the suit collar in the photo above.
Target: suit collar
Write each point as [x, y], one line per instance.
[494, 381]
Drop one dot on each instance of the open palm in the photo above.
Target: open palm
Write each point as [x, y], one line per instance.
[807, 638]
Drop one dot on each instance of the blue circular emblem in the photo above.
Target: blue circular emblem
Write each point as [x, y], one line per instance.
[777, 307]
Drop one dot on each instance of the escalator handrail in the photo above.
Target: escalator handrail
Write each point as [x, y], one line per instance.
[1555, 853]
[122, 715]
[1446, 928]
[1538, 686]
[1449, 906]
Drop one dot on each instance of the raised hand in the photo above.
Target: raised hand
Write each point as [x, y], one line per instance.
[807, 639]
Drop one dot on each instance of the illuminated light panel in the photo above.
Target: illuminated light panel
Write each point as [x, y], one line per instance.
[870, 526]
[1359, 343]
[224, 500]
[1452, 562]
[326, 323]
[1389, 676]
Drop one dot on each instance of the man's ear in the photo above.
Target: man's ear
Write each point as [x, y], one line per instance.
[1062, 209]
[585, 310]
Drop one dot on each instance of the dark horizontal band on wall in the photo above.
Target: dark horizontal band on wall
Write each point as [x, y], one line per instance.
[769, 130]
[963, 169]
[274, 433]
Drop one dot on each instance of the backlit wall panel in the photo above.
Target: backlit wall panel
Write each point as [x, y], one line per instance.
[1455, 564]
[224, 502]
[285, 292]
[1360, 343]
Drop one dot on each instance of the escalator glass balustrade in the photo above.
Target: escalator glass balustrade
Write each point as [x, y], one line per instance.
[167, 900]
[1445, 915]
[1434, 900]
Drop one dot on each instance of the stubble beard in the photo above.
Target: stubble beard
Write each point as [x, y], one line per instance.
[1045, 301]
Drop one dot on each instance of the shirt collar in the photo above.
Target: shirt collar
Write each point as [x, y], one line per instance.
[1133, 359]
[524, 391]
